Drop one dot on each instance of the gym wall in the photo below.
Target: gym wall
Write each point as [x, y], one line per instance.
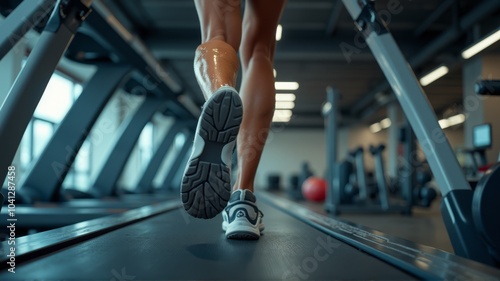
[286, 150]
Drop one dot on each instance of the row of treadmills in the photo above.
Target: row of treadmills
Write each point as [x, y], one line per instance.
[105, 234]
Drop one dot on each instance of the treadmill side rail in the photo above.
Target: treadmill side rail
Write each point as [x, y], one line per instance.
[423, 261]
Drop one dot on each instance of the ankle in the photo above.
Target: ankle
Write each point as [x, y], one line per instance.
[235, 188]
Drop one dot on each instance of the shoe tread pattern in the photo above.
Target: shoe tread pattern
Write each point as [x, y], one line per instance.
[206, 186]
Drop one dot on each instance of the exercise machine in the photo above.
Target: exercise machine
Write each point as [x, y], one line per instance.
[16, 25]
[348, 190]
[456, 205]
[402, 205]
[161, 242]
[413, 180]
[486, 194]
[119, 65]
[481, 141]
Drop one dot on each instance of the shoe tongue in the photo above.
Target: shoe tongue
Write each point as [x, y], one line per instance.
[242, 195]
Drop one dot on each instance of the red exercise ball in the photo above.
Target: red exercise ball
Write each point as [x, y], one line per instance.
[314, 189]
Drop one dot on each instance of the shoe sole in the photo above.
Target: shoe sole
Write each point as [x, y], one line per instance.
[241, 232]
[206, 185]
[225, 224]
[242, 236]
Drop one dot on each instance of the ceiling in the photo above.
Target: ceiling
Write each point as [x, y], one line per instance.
[429, 33]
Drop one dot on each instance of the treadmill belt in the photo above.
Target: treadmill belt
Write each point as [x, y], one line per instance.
[176, 246]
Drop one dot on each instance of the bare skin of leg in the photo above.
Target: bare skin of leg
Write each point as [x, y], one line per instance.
[216, 65]
[257, 88]
[216, 60]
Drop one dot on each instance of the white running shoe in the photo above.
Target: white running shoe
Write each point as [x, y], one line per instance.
[206, 184]
[242, 219]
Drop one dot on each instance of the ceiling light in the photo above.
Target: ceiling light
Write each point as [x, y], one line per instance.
[279, 31]
[434, 75]
[285, 105]
[375, 128]
[386, 123]
[327, 107]
[452, 121]
[285, 97]
[274, 72]
[291, 86]
[281, 119]
[481, 45]
[283, 113]
[456, 119]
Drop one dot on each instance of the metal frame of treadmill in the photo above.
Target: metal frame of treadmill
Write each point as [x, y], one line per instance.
[24, 17]
[26, 92]
[177, 165]
[39, 244]
[423, 261]
[44, 179]
[456, 192]
[145, 184]
[23, 97]
[106, 181]
[132, 50]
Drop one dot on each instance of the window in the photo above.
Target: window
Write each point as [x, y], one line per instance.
[146, 145]
[42, 132]
[56, 100]
[59, 96]
[79, 175]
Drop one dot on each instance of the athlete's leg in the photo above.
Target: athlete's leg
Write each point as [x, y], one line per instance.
[216, 60]
[260, 20]
[206, 184]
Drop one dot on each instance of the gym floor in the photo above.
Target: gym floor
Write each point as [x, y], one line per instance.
[424, 226]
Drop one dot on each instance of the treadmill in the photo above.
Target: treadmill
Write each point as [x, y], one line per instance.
[120, 64]
[160, 242]
[164, 243]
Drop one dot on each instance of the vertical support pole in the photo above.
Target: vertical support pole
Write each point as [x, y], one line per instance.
[331, 114]
[410, 162]
[380, 176]
[361, 174]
